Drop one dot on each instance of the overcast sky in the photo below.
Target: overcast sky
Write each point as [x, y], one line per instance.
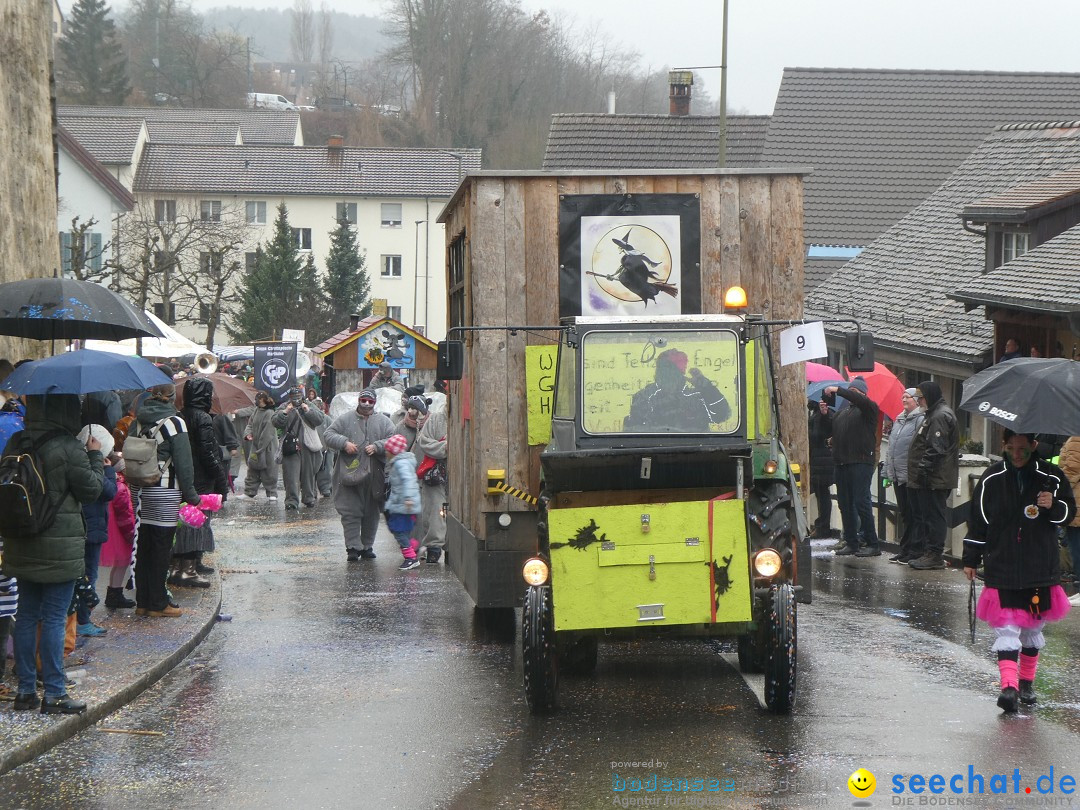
[768, 35]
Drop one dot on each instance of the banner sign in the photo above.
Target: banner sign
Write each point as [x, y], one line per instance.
[275, 369]
[540, 390]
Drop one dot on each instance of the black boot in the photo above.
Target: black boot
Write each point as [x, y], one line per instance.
[1027, 693]
[205, 570]
[1009, 699]
[114, 598]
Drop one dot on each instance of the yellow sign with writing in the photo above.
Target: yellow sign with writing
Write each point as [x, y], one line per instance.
[379, 307]
[540, 390]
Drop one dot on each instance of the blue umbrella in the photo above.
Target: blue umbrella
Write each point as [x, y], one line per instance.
[84, 371]
[814, 389]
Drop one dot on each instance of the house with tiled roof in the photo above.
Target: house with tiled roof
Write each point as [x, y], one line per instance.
[900, 288]
[91, 201]
[1031, 279]
[391, 196]
[881, 141]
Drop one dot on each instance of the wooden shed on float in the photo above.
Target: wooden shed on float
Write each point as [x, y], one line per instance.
[514, 256]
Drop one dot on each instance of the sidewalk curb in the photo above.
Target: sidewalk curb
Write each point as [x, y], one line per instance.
[70, 725]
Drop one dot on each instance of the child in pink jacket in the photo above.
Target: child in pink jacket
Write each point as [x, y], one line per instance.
[118, 550]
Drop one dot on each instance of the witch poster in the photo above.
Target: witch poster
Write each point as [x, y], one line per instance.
[629, 255]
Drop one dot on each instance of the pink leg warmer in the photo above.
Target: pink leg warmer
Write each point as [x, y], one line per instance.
[1007, 668]
[1028, 665]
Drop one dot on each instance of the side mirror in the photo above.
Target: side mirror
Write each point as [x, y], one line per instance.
[450, 361]
[860, 351]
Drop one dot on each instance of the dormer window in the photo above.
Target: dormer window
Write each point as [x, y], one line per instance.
[1013, 244]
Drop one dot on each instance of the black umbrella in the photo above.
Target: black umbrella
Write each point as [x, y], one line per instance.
[1028, 395]
[65, 309]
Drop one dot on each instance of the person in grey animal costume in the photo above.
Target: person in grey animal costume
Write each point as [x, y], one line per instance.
[300, 419]
[358, 438]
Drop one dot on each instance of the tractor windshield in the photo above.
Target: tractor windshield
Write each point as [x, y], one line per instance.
[657, 380]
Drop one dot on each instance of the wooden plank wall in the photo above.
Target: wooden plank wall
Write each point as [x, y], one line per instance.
[751, 235]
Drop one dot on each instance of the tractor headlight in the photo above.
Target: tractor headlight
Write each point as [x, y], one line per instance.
[771, 466]
[535, 571]
[767, 563]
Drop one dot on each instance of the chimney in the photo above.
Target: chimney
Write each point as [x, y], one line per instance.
[680, 82]
[611, 102]
[354, 323]
[335, 142]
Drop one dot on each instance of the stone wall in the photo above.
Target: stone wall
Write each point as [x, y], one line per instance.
[29, 246]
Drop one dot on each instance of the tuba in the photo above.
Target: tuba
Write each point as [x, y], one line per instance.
[206, 363]
[303, 363]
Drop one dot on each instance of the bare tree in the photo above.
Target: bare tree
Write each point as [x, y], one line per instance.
[302, 37]
[326, 35]
[82, 251]
[171, 254]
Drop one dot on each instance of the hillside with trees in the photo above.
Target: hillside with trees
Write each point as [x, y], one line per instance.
[436, 73]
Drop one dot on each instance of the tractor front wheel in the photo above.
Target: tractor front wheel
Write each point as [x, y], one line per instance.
[780, 649]
[538, 651]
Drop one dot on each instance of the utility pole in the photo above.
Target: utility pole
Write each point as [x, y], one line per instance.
[723, 93]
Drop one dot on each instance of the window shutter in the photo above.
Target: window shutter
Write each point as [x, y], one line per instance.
[95, 252]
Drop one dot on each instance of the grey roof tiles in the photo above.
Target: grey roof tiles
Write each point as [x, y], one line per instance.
[621, 141]
[1045, 279]
[881, 141]
[257, 126]
[302, 170]
[110, 141]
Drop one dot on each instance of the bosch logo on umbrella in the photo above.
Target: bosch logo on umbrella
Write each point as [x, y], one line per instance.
[273, 372]
[984, 407]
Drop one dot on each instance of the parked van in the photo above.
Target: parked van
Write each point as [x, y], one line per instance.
[270, 101]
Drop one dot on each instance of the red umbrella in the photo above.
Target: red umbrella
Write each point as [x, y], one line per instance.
[818, 372]
[883, 387]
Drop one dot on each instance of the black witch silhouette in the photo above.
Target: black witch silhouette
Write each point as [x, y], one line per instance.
[635, 273]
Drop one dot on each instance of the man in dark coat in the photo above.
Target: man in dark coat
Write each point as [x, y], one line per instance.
[854, 444]
[933, 467]
[48, 564]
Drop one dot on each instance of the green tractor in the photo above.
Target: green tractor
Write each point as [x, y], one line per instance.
[669, 507]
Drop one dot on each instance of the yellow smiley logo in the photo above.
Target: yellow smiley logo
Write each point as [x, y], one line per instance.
[862, 784]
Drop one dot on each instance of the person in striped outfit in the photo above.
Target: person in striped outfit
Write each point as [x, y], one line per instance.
[9, 602]
[157, 507]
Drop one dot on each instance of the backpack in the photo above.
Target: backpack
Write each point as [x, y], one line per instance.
[26, 508]
[141, 465]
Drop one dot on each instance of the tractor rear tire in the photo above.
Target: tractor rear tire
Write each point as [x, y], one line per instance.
[539, 655]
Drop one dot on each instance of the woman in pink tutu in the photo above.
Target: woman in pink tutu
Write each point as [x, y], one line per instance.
[117, 551]
[1015, 512]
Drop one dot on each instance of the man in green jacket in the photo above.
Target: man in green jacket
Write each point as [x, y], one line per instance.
[48, 564]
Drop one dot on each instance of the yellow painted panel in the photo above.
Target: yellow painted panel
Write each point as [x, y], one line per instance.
[591, 590]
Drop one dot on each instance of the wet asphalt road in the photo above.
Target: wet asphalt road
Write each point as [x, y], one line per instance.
[355, 685]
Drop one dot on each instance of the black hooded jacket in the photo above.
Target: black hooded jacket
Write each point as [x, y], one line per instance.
[210, 475]
[934, 458]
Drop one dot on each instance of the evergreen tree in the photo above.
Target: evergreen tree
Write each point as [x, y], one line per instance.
[92, 69]
[271, 292]
[346, 286]
[310, 311]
